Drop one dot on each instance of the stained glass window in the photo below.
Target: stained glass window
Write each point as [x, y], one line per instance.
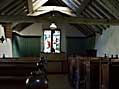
[52, 41]
[47, 41]
[56, 41]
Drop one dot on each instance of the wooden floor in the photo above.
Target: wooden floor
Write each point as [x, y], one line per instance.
[55, 82]
[58, 82]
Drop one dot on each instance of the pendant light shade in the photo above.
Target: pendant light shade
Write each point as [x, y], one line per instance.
[53, 26]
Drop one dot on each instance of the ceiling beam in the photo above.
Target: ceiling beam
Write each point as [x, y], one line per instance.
[30, 6]
[58, 19]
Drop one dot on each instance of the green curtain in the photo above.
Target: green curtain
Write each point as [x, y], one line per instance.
[24, 46]
[77, 45]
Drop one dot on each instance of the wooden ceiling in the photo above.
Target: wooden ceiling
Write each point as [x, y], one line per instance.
[93, 9]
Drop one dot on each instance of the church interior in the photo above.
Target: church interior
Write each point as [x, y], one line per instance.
[59, 44]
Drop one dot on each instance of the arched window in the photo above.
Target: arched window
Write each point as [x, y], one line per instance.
[52, 41]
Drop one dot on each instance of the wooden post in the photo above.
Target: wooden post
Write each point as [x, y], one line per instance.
[77, 72]
[104, 74]
[100, 74]
[87, 73]
[8, 30]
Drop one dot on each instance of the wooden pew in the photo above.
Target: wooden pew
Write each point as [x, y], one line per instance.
[21, 67]
[114, 74]
[94, 72]
[15, 70]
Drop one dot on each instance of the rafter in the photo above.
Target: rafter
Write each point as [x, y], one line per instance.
[12, 6]
[115, 3]
[4, 4]
[101, 10]
[100, 28]
[105, 9]
[16, 9]
[82, 6]
[110, 6]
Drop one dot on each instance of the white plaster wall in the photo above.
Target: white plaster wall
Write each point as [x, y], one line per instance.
[108, 42]
[2, 31]
[6, 46]
[34, 29]
[66, 30]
